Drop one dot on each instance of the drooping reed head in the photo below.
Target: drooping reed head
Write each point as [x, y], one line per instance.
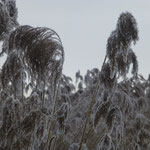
[127, 26]
[41, 49]
[119, 53]
[8, 17]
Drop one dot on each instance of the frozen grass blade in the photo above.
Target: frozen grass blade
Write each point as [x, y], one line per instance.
[91, 106]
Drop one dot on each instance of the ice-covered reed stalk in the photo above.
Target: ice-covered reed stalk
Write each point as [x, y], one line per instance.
[119, 55]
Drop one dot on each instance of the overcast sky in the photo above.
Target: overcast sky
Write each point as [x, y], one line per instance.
[85, 25]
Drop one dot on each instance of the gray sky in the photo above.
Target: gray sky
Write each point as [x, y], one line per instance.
[85, 25]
